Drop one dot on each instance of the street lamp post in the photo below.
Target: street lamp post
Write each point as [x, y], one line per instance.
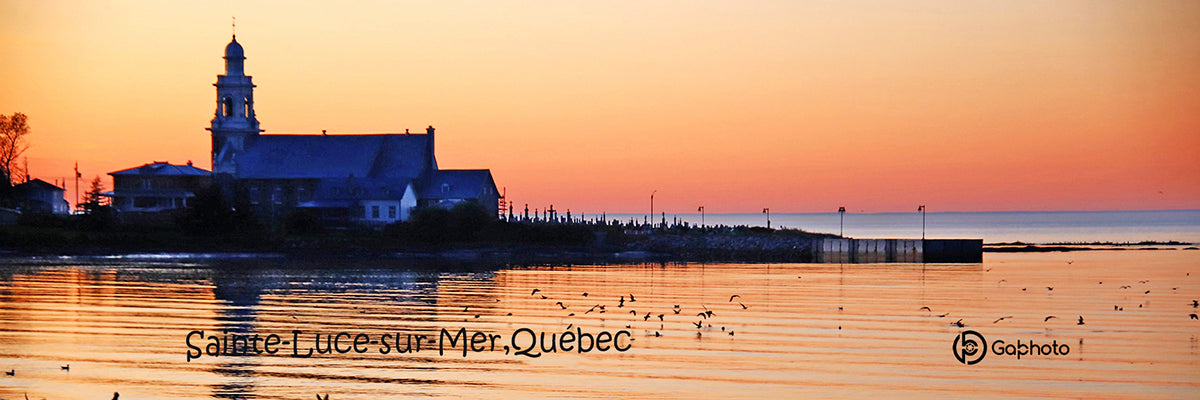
[652, 209]
[921, 208]
[842, 221]
[768, 212]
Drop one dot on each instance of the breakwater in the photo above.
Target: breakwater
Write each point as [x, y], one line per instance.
[898, 250]
[768, 247]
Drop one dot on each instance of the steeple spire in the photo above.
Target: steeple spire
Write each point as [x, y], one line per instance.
[234, 126]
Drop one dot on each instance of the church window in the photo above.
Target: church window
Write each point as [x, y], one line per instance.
[227, 106]
[246, 107]
[392, 212]
[374, 211]
[445, 188]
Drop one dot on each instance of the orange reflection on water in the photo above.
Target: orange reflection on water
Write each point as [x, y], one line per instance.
[812, 330]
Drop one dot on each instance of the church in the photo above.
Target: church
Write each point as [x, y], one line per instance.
[369, 178]
[364, 179]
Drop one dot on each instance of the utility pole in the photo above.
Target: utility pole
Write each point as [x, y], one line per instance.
[77, 175]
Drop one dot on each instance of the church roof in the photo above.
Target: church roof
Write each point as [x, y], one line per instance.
[386, 156]
[457, 184]
[162, 168]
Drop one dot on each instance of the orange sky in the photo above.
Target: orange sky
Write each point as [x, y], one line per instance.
[794, 105]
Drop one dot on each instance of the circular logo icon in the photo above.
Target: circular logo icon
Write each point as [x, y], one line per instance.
[969, 347]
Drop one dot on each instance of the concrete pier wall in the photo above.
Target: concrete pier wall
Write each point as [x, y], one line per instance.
[898, 251]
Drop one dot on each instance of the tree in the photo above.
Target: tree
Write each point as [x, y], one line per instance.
[12, 144]
[97, 215]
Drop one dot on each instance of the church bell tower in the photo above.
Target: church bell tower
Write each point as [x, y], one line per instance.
[234, 127]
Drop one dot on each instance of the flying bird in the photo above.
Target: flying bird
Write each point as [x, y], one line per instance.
[1193, 316]
[560, 304]
[959, 323]
[535, 291]
[732, 297]
[66, 367]
[1080, 320]
[1001, 319]
[926, 308]
[698, 324]
[743, 306]
[1048, 318]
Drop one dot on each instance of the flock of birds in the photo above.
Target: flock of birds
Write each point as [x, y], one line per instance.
[704, 322]
[959, 323]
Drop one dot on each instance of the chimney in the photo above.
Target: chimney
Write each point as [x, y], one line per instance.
[323, 132]
[189, 163]
[432, 164]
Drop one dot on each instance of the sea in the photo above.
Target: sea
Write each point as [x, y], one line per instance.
[1099, 324]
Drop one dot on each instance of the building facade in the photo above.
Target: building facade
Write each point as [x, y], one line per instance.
[155, 187]
[40, 197]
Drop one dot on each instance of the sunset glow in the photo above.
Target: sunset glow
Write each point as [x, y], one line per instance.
[591, 106]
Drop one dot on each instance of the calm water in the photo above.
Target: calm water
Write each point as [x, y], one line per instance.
[992, 227]
[807, 330]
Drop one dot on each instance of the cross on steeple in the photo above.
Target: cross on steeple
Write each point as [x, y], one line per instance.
[234, 24]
